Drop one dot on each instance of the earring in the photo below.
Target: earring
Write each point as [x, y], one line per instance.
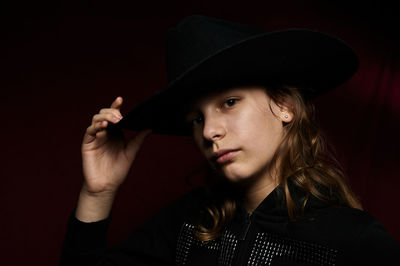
[286, 116]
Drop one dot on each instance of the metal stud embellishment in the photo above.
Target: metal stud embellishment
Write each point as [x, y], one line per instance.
[268, 246]
[185, 241]
[228, 248]
[265, 248]
[226, 245]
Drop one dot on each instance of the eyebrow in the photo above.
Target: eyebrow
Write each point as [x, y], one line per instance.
[192, 105]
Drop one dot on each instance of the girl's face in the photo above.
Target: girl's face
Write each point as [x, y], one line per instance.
[237, 132]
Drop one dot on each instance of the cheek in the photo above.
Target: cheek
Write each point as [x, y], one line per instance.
[262, 136]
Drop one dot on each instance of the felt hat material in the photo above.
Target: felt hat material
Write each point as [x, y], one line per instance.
[205, 54]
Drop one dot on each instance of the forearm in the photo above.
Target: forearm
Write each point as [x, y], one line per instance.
[93, 207]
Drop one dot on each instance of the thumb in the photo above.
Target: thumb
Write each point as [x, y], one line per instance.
[136, 142]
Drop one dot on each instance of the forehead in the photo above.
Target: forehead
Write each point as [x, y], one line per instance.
[216, 95]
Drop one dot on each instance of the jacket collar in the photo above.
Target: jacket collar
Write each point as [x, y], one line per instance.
[273, 207]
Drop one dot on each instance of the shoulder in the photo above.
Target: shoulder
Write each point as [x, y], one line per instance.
[348, 220]
[365, 226]
[348, 215]
[344, 225]
[355, 234]
[350, 212]
[370, 243]
[358, 226]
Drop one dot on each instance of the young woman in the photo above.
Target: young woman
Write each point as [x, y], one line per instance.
[274, 194]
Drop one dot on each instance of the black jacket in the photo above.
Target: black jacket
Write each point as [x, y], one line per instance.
[327, 235]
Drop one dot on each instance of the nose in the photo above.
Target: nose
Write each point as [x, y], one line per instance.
[214, 128]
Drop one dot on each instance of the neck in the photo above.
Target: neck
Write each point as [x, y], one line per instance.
[253, 196]
[257, 188]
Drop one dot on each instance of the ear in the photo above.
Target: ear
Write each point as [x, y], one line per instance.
[286, 110]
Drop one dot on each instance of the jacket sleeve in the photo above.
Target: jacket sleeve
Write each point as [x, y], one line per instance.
[153, 243]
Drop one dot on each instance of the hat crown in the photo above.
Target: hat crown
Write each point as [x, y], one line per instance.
[197, 37]
[204, 54]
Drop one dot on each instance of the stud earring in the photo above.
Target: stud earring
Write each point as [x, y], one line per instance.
[286, 116]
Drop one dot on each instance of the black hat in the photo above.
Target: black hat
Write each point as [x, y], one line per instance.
[205, 54]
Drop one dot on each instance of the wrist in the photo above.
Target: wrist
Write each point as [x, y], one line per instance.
[105, 194]
[93, 207]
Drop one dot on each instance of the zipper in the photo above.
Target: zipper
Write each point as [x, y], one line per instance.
[244, 240]
[246, 227]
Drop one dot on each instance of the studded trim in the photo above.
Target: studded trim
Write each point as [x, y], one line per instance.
[265, 248]
[268, 246]
[226, 245]
[228, 248]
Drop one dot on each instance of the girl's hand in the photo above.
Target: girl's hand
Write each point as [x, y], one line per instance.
[107, 158]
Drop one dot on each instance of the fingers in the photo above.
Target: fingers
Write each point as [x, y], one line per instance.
[101, 120]
[111, 117]
[113, 114]
[117, 103]
[96, 127]
[114, 109]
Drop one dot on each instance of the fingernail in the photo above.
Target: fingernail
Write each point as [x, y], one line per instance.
[116, 118]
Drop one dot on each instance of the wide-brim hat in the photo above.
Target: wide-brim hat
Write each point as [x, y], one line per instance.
[205, 54]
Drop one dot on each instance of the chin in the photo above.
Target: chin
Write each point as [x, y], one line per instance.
[235, 176]
[241, 175]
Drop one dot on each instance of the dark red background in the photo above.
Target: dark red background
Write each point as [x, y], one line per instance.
[64, 61]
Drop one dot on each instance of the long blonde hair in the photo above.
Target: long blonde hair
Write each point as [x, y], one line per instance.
[305, 158]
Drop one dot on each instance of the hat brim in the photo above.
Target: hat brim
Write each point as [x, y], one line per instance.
[314, 61]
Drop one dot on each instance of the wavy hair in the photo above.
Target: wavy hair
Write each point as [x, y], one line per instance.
[304, 157]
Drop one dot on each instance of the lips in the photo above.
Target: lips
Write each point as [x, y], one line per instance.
[223, 156]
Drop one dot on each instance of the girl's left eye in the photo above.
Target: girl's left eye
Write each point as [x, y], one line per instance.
[230, 102]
